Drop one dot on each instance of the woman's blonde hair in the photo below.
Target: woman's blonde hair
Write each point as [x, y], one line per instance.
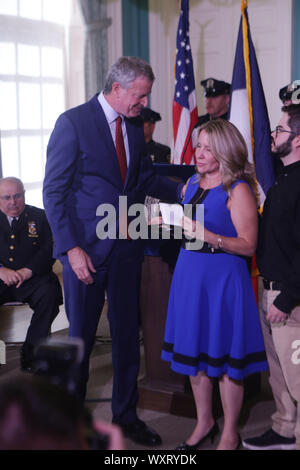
[229, 148]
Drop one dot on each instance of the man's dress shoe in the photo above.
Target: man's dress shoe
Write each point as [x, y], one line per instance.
[140, 433]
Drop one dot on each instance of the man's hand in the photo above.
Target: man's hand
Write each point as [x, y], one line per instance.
[25, 274]
[275, 315]
[81, 264]
[9, 276]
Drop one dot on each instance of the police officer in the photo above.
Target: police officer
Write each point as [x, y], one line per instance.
[217, 97]
[287, 93]
[288, 96]
[26, 264]
[159, 153]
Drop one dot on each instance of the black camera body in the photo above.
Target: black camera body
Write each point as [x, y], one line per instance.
[58, 361]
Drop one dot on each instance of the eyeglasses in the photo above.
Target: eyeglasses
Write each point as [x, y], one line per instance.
[280, 129]
[14, 197]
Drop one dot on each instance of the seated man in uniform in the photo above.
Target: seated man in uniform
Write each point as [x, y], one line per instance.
[26, 263]
[217, 98]
[159, 153]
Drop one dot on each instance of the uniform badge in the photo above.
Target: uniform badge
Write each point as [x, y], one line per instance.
[210, 83]
[32, 230]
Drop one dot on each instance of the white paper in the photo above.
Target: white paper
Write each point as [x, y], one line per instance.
[171, 213]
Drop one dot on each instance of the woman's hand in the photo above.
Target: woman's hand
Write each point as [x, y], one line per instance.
[155, 221]
[192, 229]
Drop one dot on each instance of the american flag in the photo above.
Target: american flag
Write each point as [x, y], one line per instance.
[185, 113]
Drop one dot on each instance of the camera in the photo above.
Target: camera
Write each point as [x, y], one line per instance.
[58, 360]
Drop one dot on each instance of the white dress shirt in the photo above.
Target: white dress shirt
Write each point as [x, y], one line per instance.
[10, 219]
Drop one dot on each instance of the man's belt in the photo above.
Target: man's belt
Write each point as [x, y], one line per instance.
[272, 285]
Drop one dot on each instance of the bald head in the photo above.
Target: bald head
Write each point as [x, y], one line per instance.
[12, 200]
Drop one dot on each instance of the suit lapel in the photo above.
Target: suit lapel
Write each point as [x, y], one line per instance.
[23, 220]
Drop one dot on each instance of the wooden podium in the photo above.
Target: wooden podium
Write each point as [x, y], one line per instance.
[161, 389]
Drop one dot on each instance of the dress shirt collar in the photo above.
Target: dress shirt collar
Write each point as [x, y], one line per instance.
[110, 113]
[10, 219]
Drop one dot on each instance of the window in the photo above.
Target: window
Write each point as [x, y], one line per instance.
[32, 86]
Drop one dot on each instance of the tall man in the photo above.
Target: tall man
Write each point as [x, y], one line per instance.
[26, 263]
[278, 259]
[95, 155]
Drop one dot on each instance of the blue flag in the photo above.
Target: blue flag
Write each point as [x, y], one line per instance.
[248, 110]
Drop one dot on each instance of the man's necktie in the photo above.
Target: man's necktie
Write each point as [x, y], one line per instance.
[120, 149]
[14, 224]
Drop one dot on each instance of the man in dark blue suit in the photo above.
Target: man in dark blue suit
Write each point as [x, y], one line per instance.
[84, 170]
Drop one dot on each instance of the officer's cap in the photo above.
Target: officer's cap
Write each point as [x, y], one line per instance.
[285, 93]
[213, 87]
[148, 115]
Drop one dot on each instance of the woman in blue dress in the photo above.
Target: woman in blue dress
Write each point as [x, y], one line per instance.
[212, 328]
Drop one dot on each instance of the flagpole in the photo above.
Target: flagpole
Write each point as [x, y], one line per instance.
[244, 5]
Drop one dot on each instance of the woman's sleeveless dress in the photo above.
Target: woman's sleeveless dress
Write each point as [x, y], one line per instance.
[213, 322]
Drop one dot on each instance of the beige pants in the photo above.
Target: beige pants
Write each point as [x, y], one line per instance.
[282, 342]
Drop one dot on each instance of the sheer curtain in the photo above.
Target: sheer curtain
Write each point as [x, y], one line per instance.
[32, 86]
[96, 56]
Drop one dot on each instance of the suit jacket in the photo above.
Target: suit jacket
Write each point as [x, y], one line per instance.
[31, 243]
[82, 172]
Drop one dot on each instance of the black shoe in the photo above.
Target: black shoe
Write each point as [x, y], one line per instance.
[211, 434]
[270, 440]
[140, 433]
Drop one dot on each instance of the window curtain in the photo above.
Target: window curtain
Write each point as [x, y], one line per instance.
[135, 28]
[95, 54]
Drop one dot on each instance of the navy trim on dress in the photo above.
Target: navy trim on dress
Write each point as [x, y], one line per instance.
[259, 356]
